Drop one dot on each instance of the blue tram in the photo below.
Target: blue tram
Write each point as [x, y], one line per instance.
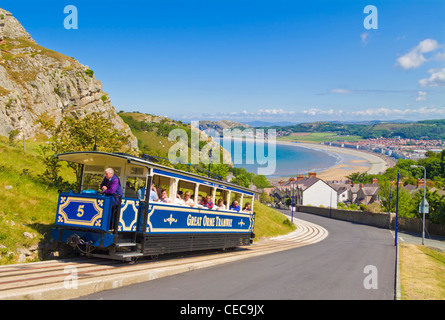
[137, 224]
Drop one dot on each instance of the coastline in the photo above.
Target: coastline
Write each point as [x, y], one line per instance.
[366, 162]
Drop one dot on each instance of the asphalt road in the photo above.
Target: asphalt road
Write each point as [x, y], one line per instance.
[353, 262]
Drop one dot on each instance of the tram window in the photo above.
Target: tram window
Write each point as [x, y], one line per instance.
[137, 171]
[204, 191]
[247, 200]
[92, 181]
[93, 176]
[161, 182]
[117, 172]
[221, 194]
[235, 196]
[133, 185]
[185, 186]
[94, 168]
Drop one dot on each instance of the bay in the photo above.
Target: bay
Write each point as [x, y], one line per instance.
[290, 159]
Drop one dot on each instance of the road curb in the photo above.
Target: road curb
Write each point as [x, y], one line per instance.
[398, 293]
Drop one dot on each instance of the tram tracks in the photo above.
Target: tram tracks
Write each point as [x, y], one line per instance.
[64, 279]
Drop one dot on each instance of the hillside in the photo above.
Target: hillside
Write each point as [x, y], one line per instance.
[219, 126]
[40, 84]
[152, 134]
[427, 129]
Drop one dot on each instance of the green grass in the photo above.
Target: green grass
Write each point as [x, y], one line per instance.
[422, 273]
[27, 205]
[318, 137]
[270, 223]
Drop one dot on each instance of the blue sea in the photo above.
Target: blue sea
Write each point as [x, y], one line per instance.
[290, 159]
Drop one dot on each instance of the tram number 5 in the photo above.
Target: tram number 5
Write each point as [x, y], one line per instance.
[80, 211]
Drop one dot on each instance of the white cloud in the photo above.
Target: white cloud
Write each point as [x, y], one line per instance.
[317, 114]
[279, 112]
[440, 56]
[436, 79]
[378, 112]
[421, 96]
[339, 90]
[364, 37]
[415, 57]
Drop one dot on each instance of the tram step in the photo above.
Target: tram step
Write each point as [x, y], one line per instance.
[126, 244]
[128, 255]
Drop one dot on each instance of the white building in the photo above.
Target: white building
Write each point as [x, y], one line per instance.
[308, 191]
[316, 192]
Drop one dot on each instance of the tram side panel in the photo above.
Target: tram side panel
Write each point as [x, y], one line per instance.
[174, 229]
[85, 216]
[169, 228]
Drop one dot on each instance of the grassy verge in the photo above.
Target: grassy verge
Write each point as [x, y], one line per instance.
[270, 223]
[422, 273]
[27, 207]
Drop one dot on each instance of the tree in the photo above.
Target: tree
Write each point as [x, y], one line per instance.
[242, 181]
[288, 202]
[78, 134]
[436, 206]
[406, 201]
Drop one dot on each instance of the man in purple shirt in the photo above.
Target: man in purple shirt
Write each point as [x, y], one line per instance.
[111, 185]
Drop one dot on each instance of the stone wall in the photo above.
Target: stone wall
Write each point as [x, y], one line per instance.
[380, 220]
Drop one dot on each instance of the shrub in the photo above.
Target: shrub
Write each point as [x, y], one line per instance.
[89, 72]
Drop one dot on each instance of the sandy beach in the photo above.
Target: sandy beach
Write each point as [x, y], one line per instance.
[366, 162]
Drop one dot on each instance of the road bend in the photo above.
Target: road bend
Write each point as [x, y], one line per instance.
[352, 262]
[65, 279]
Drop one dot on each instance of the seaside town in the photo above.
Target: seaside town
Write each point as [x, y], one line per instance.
[341, 192]
[396, 148]
[313, 191]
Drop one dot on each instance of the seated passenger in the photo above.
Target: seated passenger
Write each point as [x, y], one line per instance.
[187, 200]
[164, 197]
[179, 199]
[208, 203]
[235, 206]
[153, 194]
[221, 205]
[141, 194]
[247, 207]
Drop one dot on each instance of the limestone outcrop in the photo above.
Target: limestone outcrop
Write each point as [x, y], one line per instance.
[36, 82]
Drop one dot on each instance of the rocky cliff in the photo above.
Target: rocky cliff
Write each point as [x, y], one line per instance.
[37, 82]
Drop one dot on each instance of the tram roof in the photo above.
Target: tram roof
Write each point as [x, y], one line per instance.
[98, 158]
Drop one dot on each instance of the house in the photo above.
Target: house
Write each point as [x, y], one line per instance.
[343, 192]
[367, 193]
[357, 193]
[316, 192]
[307, 191]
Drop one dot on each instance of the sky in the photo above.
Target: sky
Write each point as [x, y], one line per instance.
[271, 61]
